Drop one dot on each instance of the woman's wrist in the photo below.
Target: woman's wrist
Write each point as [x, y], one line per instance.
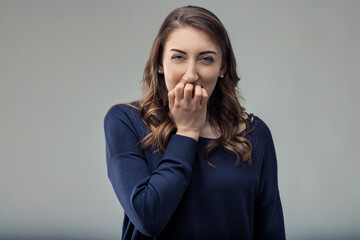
[192, 134]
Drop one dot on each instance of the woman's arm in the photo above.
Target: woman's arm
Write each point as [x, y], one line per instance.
[148, 199]
[269, 221]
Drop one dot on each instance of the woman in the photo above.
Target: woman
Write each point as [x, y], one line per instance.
[186, 161]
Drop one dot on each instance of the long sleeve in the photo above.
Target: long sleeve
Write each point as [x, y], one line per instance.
[269, 221]
[148, 198]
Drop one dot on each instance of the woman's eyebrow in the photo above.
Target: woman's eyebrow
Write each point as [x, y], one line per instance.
[177, 50]
[201, 53]
[207, 52]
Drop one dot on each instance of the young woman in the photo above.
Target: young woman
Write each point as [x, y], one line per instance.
[187, 161]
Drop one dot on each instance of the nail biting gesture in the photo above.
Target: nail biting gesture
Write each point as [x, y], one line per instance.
[187, 104]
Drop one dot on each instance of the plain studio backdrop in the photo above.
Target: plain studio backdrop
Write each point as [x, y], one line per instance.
[64, 63]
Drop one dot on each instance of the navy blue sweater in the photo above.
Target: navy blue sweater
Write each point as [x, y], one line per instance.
[177, 195]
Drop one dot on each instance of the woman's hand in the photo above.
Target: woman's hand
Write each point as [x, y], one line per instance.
[187, 104]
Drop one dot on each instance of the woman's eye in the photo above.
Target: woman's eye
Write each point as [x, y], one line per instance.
[208, 59]
[177, 57]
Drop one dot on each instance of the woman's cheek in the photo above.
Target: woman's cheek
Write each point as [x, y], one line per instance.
[209, 78]
[172, 77]
[209, 83]
[169, 81]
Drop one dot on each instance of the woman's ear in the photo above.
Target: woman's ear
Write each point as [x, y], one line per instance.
[223, 70]
[160, 69]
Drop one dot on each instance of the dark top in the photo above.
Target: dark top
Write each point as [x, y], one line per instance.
[177, 195]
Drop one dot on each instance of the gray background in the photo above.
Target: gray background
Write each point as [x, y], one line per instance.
[64, 63]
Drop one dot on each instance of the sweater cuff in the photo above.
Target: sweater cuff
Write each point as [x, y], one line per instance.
[181, 148]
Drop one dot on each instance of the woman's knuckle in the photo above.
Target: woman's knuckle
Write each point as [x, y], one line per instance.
[197, 94]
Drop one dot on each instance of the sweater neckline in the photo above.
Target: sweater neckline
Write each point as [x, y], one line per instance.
[205, 139]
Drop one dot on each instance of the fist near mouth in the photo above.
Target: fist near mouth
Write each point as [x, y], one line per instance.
[187, 104]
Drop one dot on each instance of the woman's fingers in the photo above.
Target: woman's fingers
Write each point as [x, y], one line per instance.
[188, 92]
[171, 97]
[197, 94]
[179, 92]
[204, 98]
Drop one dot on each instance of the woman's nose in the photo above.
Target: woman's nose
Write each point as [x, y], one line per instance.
[191, 74]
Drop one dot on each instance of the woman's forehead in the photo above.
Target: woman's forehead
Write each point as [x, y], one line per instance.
[190, 39]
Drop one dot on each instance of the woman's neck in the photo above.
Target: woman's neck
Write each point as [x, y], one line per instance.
[208, 131]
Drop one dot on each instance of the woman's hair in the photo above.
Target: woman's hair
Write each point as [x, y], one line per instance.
[224, 112]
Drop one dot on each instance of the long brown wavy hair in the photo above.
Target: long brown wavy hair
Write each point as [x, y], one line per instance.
[224, 111]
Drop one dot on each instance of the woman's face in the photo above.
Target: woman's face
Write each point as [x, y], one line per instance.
[191, 56]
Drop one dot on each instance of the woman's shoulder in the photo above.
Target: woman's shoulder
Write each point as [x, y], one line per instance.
[124, 117]
[125, 111]
[121, 108]
[259, 127]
